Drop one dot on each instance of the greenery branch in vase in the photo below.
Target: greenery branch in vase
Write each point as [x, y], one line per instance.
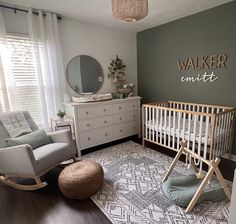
[116, 71]
[117, 75]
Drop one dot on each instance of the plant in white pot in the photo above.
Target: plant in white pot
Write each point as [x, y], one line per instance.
[61, 114]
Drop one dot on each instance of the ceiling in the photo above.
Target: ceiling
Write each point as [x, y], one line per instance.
[99, 11]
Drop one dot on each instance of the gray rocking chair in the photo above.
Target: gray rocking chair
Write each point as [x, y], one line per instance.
[23, 162]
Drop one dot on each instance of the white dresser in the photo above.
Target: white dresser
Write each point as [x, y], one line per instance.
[105, 121]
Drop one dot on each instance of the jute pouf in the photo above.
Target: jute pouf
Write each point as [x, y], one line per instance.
[81, 180]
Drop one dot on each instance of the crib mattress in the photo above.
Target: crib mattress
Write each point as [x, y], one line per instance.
[184, 132]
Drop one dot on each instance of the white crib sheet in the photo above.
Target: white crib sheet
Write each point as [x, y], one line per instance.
[187, 135]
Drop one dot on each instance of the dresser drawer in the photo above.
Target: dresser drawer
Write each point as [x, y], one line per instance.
[103, 134]
[132, 106]
[95, 123]
[119, 108]
[120, 118]
[87, 124]
[125, 129]
[103, 121]
[85, 113]
[87, 138]
[133, 115]
[97, 136]
[120, 130]
[133, 128]
[104, 110]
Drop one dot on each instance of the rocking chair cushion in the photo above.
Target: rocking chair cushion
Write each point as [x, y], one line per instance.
[34, 139]
[180, 190]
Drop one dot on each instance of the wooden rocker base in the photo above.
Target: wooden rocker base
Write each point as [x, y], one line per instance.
[15, 185]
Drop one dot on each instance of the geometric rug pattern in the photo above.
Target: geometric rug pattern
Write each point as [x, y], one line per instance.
[132, 191]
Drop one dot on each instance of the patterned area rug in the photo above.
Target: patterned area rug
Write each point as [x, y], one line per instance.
[132, 191]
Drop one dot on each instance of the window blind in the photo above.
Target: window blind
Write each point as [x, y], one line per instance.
[22, 81]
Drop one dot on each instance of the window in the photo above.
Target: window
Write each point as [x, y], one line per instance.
[22, 82]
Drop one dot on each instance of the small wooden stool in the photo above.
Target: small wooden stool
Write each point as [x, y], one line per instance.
[81, 180]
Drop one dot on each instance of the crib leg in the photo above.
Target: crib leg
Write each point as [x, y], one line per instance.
[183, 145]
[202, 185]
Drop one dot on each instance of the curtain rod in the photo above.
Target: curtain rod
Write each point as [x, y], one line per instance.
[24, 10]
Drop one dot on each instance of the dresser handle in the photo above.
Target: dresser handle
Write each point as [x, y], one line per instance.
[120, 130]
[87, 125]
[120, 118]
[89, 138]
[86, 112]
[105, 122]
[106, 134]
[119, 108]
[104, 110]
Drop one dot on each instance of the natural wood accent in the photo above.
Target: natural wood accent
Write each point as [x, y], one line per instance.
[15, 185]
[213, 164]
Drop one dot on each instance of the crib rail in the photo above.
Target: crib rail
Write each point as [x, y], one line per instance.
[208, 129]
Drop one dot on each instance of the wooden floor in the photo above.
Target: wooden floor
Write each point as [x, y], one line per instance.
[46, 206]
[49, 206]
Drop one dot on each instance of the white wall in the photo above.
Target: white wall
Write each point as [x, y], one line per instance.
[102, 43]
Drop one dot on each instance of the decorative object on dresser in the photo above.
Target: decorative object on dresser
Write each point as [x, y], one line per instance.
[117, 71]
[100, 122]
[81, 180]
[117, 75]
[31, 155]
[204, 132]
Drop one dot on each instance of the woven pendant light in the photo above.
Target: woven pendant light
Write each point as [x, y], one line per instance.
[129, 10]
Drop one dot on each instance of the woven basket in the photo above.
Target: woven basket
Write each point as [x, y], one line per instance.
[81, 179]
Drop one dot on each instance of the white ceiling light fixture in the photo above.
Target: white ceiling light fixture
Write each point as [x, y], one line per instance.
[129, 10]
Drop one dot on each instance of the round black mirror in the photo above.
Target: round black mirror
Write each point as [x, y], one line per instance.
[84, 74]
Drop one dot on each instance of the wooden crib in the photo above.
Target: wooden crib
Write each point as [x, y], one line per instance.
[204, 132]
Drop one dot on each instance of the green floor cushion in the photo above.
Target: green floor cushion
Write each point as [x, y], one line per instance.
[180, 190]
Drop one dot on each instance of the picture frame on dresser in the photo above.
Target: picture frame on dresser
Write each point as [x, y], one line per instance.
[101, 122]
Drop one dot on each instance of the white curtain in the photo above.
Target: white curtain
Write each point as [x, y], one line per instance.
[48, 67]
[5, 65]
[46, 44]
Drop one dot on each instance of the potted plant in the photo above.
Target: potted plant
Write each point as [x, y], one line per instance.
[116, 70]
[61, 114]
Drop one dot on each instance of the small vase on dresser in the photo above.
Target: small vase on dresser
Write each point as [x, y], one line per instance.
[105, 121]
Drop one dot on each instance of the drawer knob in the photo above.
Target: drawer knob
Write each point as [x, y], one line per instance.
[89, 138]
[133, 106]
[120, 130]
[120, 118]
[104, 110]
[86, 112]
[105, 121]
[106, 134]
[87, 125]
[119, 108]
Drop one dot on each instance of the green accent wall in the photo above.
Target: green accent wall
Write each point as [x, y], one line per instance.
[207, 33]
